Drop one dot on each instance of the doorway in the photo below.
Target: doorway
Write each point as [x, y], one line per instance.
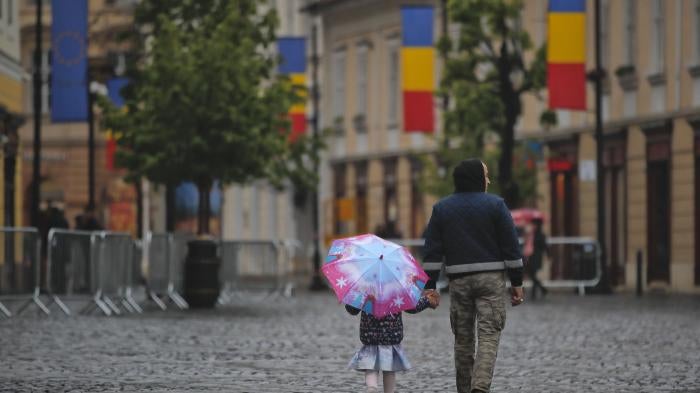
[658, 209]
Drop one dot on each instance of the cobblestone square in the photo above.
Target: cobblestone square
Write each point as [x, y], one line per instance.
[562, 344]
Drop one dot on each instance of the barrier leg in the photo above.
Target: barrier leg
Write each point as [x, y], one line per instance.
[61, 305]
[37, 302]
[111, 305]
[132, 302]
[127, 306]
[88, 309]
[157, 300]
[178, 300]
[5, 311]
[581, 290]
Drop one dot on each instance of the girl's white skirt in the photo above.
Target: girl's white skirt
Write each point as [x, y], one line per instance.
[380, 358]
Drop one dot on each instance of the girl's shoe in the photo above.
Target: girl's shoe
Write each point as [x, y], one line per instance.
[372, 390]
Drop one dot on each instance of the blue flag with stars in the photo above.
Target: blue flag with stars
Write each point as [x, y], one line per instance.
[69, 99]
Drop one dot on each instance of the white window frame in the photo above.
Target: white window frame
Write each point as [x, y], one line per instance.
[289, 16]
[360, 118]
[658, 37]
[339, 69]
[605, 34]
[630, 33]
[362, 95]
[393, 82]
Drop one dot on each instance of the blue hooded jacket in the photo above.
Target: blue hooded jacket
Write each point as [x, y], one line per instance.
[471, 231]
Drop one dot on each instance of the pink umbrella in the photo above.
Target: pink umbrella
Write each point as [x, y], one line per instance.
[374, 275]
[525, 215]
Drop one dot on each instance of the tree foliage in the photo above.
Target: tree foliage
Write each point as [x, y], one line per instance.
[485, 77]
[205, 103]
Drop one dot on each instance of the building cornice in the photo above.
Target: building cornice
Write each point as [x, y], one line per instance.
[611, 127]
[352, 158]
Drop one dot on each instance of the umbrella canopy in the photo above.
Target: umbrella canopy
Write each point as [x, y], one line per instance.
[374, 275]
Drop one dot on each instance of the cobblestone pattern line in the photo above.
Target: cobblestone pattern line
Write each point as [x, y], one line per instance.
[563, 344]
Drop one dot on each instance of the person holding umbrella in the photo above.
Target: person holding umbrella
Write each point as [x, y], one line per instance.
[472, 233]
[379, 279]
[534, 262]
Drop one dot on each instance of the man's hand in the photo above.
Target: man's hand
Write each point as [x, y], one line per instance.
[433, 297]
[516, 296]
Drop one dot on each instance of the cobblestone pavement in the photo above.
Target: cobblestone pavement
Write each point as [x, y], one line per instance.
[563, 344]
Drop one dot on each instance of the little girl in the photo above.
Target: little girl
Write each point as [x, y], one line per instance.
[381, 350]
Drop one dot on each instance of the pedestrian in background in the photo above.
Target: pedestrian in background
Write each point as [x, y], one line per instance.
[381, 350]
[473, 234]
[534, 262]
[88, 221]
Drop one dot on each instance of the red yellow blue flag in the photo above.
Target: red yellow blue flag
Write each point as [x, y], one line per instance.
[293, 53]
[566, 54]
[417, 68]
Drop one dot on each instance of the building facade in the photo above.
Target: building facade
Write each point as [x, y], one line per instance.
[64, 161]
[651, 111]
[372, 174]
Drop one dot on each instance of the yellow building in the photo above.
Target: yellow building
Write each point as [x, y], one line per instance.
[651, 109]
[11, 110]
[370, 180]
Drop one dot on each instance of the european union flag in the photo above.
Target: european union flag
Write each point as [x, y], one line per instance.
[69, 99]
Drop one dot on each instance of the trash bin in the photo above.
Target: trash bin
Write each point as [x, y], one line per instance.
[201, 278]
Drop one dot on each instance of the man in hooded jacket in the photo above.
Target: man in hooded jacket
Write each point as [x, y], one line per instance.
[472, 234]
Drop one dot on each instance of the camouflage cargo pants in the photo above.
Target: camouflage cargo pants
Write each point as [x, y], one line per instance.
[477, 301]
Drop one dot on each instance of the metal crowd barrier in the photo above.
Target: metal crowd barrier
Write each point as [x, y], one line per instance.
[96, 267]
[115, 268]
[20, 269]
[254, 266]
[575, 262]
[166, 253]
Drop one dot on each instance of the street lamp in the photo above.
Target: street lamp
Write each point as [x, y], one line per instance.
[94, 89]
[316, 282]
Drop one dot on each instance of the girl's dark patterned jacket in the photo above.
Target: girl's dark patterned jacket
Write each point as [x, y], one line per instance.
[387, 330]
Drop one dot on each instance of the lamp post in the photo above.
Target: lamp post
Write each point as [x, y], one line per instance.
[37, 82]
[94, 88]
[316, 282]
[598, 75]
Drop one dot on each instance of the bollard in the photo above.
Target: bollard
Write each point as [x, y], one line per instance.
[639, 272]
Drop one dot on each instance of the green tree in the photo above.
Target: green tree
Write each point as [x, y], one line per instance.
[485, 78]
[204, 102]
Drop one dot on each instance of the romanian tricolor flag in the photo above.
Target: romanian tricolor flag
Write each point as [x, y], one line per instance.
[417, 68]
[566, 54]
[114, 87]
[293, 53]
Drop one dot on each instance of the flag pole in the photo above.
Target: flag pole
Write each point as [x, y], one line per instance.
[316, 282]
[37, 81]
[604, 284]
